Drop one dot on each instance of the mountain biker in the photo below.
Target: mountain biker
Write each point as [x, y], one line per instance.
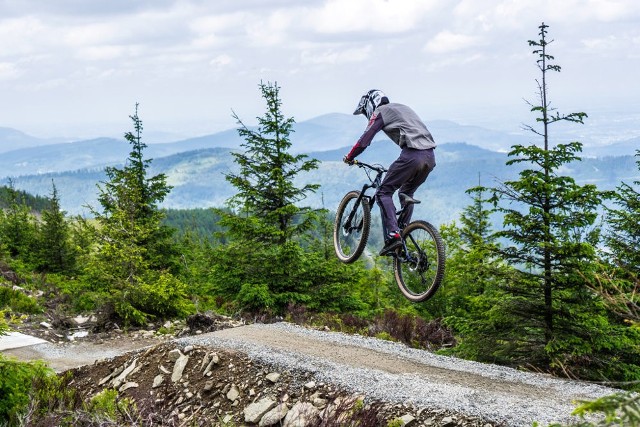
[409, 170]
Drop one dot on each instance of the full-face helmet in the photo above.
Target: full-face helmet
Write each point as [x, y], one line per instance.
[370, 101]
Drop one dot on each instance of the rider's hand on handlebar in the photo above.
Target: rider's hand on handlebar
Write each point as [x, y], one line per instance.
[348, 161]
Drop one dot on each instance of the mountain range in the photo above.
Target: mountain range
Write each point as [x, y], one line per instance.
[196, 167]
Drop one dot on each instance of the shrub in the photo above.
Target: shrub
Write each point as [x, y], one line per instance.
[18, 302]
[23, 384]
[106, 404]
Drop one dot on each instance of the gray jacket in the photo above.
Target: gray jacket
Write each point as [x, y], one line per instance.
[404, 127]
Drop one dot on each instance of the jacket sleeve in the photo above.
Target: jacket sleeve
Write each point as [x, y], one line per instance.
[375, 124]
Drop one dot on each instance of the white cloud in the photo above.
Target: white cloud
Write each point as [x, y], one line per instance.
[218, 23]
[154, 49]
[101, 53]
[8, 71]
[370, 16]
[270, 30]
[95, 34]
[598, 10]
[446, 42]
[221, 61]
[447, 62]
[21, 36]
[605, 43]
[335, 56]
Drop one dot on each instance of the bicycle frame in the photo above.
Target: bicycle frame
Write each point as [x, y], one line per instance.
[375, 183]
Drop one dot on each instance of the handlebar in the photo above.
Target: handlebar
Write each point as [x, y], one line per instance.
[377, 168]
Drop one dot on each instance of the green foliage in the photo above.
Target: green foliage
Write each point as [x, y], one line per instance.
[256, 296]
[620, 291]
[623, 237]
[108, 405]
[526, 301]
[269, 278]
[267, 193]
[550, 236]
[473, 300]
[620, 409]
[396, 422]
[21, 385]
[196, 225]
[163, 296]
[135, 252]
[4, 327]
[18, 302]
[8, 194]
[56, 252]
[18, 229]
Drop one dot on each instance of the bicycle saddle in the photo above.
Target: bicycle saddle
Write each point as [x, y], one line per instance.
[406, 200]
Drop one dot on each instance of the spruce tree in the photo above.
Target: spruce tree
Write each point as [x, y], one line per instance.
[618, 282]
[472, 290]
[267, 195]
[136, 257]
[56, 255]
[623, 234]
[264, 266]
[550, 318]
[18, 228]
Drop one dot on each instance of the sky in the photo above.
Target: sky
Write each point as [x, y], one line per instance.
[76, 68]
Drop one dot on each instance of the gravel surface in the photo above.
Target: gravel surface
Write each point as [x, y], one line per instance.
[392, 372]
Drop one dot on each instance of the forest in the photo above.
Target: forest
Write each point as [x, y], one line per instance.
[554, 289]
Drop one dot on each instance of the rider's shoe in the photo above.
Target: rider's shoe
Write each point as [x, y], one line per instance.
[391, 244]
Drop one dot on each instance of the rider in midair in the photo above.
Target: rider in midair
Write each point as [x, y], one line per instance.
[409, 170]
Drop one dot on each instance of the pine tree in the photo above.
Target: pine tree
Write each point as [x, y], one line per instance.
[136, 255]
[18, 228]
[265, 265]
[618, 281]
[267, 194]
[623, 236]
[550, 318]
[473, 287]
[56, 254]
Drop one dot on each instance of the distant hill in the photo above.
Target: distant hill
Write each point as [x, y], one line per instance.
[25, 155]
[196, 167]
[64, 157]
[198, 178]
[324, 133]
[36, 203]
[621, 148]
[12, 139]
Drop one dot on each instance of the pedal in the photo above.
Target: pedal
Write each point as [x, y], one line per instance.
[407, 200]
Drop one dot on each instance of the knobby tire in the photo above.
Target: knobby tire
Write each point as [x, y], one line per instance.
[419, 271]
[349, 240]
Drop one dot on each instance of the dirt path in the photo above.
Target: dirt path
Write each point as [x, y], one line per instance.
[362, 357]
[489, 378]
[61, 357]
[384, 370]
[394, 372]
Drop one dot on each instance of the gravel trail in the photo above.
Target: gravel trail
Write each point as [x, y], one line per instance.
[393, 372]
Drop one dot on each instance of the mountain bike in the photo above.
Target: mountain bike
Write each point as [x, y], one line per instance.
[418, 264]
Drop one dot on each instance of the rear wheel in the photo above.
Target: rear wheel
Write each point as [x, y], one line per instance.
[351, 227]
[419, 270]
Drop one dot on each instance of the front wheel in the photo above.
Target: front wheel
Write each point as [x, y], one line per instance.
[351, 227]
[419, 269]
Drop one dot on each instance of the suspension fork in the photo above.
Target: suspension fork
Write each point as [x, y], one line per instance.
[361, 198]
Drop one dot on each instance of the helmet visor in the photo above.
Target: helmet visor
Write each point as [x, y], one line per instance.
[361, 106]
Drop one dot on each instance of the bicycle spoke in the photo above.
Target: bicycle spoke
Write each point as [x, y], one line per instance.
[351, 229]
[419, 269]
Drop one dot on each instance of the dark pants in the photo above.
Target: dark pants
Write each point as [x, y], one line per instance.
[406, 174]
